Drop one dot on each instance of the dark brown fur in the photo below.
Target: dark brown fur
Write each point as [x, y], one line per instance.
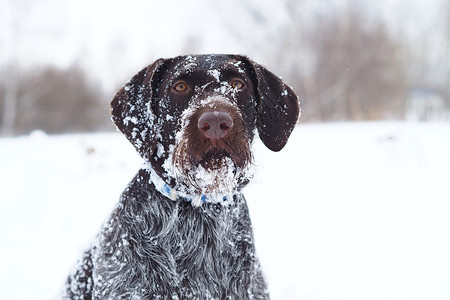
[161, 242]
[200, 150]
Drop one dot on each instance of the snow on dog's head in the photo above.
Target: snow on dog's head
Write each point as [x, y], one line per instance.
[212, 153]
[193, 118]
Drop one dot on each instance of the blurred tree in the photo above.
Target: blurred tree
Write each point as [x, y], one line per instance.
[357, 74]
[59, 101]
[343, 62]
[9, 99]
[8, 105]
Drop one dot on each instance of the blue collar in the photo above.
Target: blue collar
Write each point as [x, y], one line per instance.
[169, 192]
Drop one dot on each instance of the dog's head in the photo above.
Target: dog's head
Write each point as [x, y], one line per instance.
[194, 117]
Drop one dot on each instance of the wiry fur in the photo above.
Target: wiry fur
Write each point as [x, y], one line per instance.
[159, 247]
[153, 248]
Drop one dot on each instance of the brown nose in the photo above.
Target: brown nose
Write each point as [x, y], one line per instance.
[215, 124]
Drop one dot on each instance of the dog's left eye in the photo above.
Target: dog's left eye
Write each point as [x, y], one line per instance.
[180, 87]
[237, 84]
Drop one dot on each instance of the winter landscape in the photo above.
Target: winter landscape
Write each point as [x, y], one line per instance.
[345, 211]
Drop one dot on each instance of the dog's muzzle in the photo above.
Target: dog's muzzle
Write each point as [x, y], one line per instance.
[215, 124]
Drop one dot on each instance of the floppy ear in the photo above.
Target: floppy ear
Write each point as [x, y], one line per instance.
[131, 110]
[278, 110]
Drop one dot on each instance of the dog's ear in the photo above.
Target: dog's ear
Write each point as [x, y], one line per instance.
[278, 109]
[131, 109]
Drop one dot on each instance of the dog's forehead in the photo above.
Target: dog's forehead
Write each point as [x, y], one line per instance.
[211, 65]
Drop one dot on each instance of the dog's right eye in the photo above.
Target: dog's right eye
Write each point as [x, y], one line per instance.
[180, 87]
[238, 84]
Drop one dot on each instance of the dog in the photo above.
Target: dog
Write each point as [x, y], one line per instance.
[182, 229]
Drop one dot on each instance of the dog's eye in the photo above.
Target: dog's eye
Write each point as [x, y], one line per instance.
[180, 87]
[237, 84]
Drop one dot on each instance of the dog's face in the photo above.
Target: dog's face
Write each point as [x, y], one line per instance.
[194, 118]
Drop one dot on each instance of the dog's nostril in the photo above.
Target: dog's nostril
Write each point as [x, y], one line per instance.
[224, 126]
[215, 124]
[205, 126]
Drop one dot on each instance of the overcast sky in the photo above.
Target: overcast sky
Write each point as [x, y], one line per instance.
[115, 38]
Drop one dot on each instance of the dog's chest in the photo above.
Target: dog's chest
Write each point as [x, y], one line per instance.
[163, 247]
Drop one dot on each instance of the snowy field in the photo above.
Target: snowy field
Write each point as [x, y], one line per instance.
[346, 211]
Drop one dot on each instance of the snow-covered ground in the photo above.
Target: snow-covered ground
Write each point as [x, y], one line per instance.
[345, 211]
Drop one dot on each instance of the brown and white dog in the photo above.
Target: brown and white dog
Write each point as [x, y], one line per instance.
[181, 229]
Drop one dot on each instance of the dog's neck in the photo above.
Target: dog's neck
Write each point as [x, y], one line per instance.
[175, 195]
